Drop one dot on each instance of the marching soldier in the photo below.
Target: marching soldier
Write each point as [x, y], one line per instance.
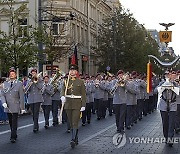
[119, 102]
[141, 85]
[131, 102]
[167, 105]
[47, 91]
[89, 101]
[13, 102]
[110, 97]
[35, 98]
[99, 95]
[177, 125]
[56, 102]
[74, 97]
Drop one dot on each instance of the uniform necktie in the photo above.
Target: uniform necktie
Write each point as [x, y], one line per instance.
[11, 84]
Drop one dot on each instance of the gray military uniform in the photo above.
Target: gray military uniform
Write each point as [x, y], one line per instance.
[13, 96]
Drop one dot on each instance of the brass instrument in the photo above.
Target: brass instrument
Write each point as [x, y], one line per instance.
[109, 74]
[55, 80]
[119, 83]
[33, 79]
[97, 83]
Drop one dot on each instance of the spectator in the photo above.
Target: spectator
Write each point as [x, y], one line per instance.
[3, 115]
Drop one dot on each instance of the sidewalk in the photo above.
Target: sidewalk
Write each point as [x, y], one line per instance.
[149, 127]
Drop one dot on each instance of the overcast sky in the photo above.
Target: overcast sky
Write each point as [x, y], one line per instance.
[152, 12]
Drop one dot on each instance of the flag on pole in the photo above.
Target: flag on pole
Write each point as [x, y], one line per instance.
[149, 77]
[74, 59]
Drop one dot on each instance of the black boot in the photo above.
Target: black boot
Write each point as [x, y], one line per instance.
[76, 137]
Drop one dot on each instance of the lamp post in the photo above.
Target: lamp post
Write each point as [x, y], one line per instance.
[53, 19]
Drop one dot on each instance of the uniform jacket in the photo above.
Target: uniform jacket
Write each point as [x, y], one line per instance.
[13, 96]
[99, 90]
[48, 91]
[131, 90]
[75, 87]
[119, 95]
[34, 92]
[162, 105]
[57, 94]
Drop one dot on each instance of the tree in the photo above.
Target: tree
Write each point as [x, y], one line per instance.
[18, 47]
[123, 43]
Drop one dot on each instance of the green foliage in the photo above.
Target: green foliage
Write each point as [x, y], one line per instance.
[124, 44]
[18, 48]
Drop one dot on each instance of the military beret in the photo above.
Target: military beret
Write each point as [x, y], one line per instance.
[120, 72]
[34, 70]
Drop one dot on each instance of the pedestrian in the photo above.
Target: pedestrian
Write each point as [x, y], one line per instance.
[13, 102]
[3, 115]
[74, 97]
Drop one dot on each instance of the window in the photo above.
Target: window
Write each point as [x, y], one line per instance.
[58, 28]
[55, 29]
[22, 30]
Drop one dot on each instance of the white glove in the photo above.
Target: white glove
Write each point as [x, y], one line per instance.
[82, 109]
[63, 99]
[5, 105]
[23, 111]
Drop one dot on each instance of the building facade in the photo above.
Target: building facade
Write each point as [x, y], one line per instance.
[80, 32]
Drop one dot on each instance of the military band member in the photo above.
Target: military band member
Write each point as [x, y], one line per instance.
[99, 95]
[168, 106]
[141, 85]
[75, 101]
[13, 102]
[110, 97]
[177, 125]
[119, 102]
[47, 91]
[86, 115]
[35, 98]
[56, 102]
[131, 102]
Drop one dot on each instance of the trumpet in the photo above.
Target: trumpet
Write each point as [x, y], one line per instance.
[33, 79]
[119, 83]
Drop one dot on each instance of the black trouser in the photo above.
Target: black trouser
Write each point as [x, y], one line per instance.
[13, 122]
[55, 105]
[87, 113]
[139, 108]
[129, 115]
[104, 107]
[177, 125]
[46, 110]
[168, 121]
[35, 111]
[150, 104]
[145, 107]
[120, 114]
[110, 105]
[99, 108]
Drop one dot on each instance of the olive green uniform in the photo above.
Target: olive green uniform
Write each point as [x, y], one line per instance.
[76, 88]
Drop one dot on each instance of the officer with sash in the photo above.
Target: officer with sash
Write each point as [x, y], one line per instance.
[74, 97]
